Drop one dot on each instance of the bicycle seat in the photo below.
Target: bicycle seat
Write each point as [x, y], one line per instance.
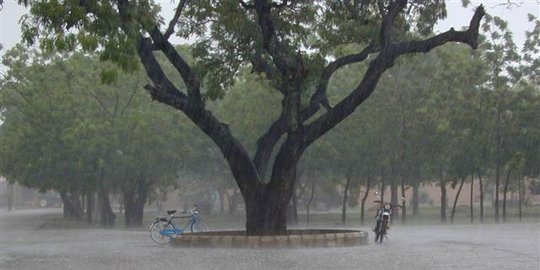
[170, 212]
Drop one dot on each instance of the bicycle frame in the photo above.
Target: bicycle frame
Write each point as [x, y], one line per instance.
[193, 218]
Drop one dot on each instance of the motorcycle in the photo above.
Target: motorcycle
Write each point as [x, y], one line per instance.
[383, 223]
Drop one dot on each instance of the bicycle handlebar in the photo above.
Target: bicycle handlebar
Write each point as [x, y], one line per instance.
[190, 211]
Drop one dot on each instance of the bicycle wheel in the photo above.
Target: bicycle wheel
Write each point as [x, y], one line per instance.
[156, 232]
[199, 227]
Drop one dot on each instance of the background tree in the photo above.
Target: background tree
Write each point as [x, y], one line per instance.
[66, 133]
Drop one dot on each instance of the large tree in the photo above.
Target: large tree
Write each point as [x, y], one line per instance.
[294, 43]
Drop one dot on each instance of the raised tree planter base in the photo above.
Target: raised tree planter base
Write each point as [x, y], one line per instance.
[293, 239]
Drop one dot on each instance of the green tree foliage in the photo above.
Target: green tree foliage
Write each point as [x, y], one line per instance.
[297, 45]
[65, 131]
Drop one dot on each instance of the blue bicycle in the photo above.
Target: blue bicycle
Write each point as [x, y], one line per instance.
[164, 228]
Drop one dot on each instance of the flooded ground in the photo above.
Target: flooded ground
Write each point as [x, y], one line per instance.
[492, 246]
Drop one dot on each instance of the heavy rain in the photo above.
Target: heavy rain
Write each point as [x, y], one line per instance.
[269, 134]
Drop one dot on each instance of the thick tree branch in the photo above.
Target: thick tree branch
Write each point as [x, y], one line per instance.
[246, 5]
[376, 68]
[172, 23]
[261, 66]
[189, 77]
[284, 170]
[470, 37]
[267, 142]
[319, 97]
[282, 4]
[282, 59]
[293, 73]
[388, 21]
[165, 92]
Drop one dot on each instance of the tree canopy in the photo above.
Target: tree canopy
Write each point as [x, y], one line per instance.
[297, 45]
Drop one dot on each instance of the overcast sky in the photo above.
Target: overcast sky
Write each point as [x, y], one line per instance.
[458, 17]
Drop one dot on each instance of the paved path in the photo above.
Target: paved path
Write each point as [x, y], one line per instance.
[504, 246]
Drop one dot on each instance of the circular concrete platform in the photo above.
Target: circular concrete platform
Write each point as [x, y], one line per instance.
[294, 238]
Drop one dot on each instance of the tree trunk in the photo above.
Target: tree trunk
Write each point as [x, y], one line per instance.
[362, 207]
[66, 205]
[107, 215]
[89, 206]
[383, 184]
[443, 201]
[77, 206]
[134, 201]
[456, 199]
[415, 199]
[505, 190]
[520, 198]
[394, 197]
[266, 212]
[310, 199]
[128, 212]
[481, 197]
[471, 199]
[345, 195]
[393, 192]
[403, 202]
[498, 162]
[72, 204]
[83, 202]
[10, 195]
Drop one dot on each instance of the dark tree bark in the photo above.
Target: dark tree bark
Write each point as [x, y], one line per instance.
[403, 202]
[311, 195]
[134, 200]
[481, 197]
[442, 184]
[72, 204]
[415, 199]
[520, 195]
[107, 215]
[505, 190]
[393, 190]
[89, 207]
[267, 201]
[10, 196]
[362, 207]
[394, 197]
[471, 199]
[383, 184]
[456, 199]
[66, 205]
[345, 196]
[498, 163]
